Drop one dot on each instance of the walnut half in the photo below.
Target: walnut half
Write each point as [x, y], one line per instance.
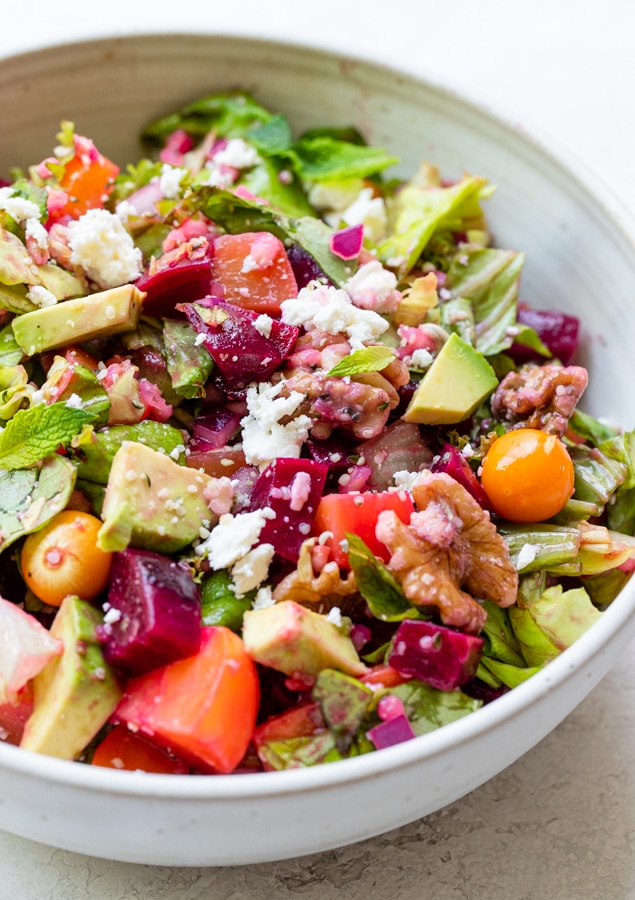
[449, 544]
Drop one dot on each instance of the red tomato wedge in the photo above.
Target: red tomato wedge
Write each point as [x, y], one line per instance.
[203, 707]
[86, 181]
[357, 514]
[254, 270]
[122, 749]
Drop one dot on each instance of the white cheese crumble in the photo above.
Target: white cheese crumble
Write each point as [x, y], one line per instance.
[335, 616]
[373, 287]
[421, 358]
[37, 232]
[527, 555]
[234, 536]
[237, 154]
[263, 324]
[264, 598]
[405, 480]
[264, 438]
[170, 180]
[113, 615]
[17, 207]
[368, 211]
[103, 248]
[330, 309]
[125, 209]
[252, 569]
[40, 296]
[74, 401]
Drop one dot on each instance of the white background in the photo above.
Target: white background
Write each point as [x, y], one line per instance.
[560, 823]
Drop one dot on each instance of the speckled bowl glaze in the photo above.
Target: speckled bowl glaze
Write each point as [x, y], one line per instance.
[580, 258]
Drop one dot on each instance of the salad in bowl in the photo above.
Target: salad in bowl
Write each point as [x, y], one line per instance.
[289, 471]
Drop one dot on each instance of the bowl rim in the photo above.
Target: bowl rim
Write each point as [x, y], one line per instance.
[253, 786]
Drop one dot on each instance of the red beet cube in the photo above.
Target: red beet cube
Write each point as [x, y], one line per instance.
[443, 658]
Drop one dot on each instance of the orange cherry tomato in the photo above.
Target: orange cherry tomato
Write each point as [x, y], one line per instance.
[527, 475]
[63, 558]
[122, 749]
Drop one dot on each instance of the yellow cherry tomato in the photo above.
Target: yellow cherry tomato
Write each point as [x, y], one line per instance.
[63, 558]
[527, 475]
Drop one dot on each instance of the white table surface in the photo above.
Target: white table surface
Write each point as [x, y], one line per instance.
[560, 823]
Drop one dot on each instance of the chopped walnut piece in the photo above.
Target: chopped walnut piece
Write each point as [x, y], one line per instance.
[450, 543]
[540, 397]
[319, 592]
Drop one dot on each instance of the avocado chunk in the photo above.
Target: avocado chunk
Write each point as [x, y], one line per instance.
[152, 502]
[297, 641]
[75, 693]
[75, 321]
[458, 380]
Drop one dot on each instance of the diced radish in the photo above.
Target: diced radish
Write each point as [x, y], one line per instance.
[217, 426]
[180, 276]
[452, 463]
[443, 658]
[348, 242]
[25, 648]
[154, 614]
[393, 731]
[203, 707]
[292, 489]
[254, 271]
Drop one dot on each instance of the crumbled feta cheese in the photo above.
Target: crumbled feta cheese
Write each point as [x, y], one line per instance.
[37, 397]
[330, 309]
[421, 358]
[113, 615]
[405, 480]
[263, 324]
[467, 452]
[252, 569]
[170, 180]
[237, 154]
[17, 207]
[74, 401]
[527, 555]
[373, 287]
[37, 232]
[335, 616]
[217, 176]
[264, 438]
[125, 209]
[234, 536]
[199, 339]
[368, 211]
[264, 598]
[103, 248]
[40, 295]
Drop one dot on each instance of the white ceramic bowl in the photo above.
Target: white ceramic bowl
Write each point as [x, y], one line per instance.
[581, 259]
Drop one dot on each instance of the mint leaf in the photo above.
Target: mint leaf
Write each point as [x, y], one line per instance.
[326, 159]
[369, 359]
[35, 433]
[271, 138]
[231, 114]
[377, 585]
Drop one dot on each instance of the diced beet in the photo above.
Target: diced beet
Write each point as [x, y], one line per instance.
[304, 266]
[241, 353]
[336, 453]
[348, 242]
[216, 427]
[443, 658]
[452, 463]
[398, 448]
[181, 275]
[558, 331]
[159, 609]
[292, 488]
[479, 690]
[394, 731]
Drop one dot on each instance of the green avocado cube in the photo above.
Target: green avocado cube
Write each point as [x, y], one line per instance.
[75, 693]
[76, 321]
[297, 641]
[454, 386]
[152, 503]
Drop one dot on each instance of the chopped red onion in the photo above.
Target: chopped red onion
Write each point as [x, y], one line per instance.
[394, 731]
[347, 243]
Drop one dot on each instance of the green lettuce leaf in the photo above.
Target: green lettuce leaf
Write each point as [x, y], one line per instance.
[29, 498]
[189, 365]
[230, 114]
[527, 337]
[300, 752]
[591, 429]
[377, 585]
[369, 359]
[510, 675]
[490, 280]
[272, 137]
[554, 545]
[10, 351]
[428, 708]
[327, 159]
[457, 316]
[263, 180]
[344, 702]
[35, 433]
[500, 641]
[596, 476]
[604, 588]
[14, 390]
[417, 213]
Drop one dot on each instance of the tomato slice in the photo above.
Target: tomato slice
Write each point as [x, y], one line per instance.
[254, 270]
[203, 707]
[123, 749]
[357, 514]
